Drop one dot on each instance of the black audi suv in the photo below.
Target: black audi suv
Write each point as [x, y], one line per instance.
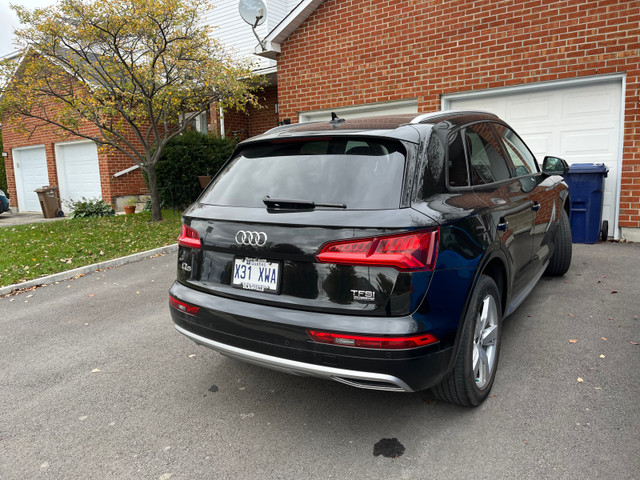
[382, 253]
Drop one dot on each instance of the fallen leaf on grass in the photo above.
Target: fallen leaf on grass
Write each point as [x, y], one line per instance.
[580, 380]
[573, 340]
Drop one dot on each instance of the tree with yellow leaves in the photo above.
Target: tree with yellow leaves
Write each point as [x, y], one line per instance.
[139, 70]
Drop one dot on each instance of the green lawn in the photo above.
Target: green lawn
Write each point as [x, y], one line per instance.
[35, 250]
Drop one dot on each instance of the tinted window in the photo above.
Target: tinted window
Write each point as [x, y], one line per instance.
[524, 162]
[456, 162]
[485, 158]
[361, 173]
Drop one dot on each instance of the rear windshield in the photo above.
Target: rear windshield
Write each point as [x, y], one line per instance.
[359, 173]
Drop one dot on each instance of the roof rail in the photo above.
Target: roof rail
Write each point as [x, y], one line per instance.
[423, 118]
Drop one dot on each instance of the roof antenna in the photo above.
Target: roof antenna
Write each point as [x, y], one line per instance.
[335, 118]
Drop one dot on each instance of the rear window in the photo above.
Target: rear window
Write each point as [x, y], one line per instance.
[360, 173]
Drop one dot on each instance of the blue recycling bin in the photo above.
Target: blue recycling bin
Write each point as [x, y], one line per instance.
[586, 189]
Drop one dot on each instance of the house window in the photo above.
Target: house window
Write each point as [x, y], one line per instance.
[197, 123]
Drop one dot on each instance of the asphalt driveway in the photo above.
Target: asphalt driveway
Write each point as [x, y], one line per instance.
[96, 383]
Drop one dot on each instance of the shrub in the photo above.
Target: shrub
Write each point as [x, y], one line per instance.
[183, 160]
[90, 208]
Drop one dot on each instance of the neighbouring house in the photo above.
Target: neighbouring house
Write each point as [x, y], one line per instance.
[565, 74]
[42, 155]
[80, 169]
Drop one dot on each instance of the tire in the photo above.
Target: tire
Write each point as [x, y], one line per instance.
[470, 381]
[561, 259]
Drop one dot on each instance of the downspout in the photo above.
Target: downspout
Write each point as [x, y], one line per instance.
[221, 115]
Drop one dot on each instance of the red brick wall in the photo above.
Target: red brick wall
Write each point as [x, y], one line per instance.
[110, 162]
[261, 120]
[256, 120]
[352, 53]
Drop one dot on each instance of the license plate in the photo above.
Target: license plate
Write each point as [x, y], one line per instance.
[256, 274]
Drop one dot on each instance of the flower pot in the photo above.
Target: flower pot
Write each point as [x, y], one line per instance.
[129, 209]
[204, 180]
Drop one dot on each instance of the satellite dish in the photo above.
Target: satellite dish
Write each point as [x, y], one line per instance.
[253, 12]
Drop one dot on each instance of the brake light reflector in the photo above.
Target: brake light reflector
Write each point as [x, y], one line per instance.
[189, 237]
[183, 307]
[407, 251]
[384, 343]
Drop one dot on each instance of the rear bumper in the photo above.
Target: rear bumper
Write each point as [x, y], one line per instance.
[276, 338]
[370, 380]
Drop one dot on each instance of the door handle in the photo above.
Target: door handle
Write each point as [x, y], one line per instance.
[535, 207]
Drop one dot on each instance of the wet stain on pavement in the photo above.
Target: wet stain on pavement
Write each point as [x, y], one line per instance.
[388, 447]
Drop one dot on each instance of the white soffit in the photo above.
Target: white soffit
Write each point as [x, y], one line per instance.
[286, 27]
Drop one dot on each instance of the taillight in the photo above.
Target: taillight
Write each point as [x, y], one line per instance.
[183, 307]
[407, 251]
[360, 341]
[189, 237]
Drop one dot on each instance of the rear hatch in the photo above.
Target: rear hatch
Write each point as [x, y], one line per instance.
[315, 224]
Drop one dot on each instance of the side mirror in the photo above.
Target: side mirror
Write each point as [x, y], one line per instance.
[554, 166]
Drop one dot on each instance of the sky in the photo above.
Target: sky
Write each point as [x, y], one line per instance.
[9, 21]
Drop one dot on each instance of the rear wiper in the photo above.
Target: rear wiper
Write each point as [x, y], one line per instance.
[291, 204]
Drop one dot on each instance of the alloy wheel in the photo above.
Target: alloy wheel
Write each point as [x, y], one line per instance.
[485, 342]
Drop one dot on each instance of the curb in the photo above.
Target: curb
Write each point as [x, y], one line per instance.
[68, 274]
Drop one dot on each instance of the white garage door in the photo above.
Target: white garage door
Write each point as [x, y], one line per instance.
[579, 122]
[360, 111]
[30, 167]
[78, 171]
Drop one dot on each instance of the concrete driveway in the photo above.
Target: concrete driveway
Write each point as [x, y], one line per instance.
[8, 219]
[96, 383]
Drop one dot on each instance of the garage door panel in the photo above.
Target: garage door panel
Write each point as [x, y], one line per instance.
[78, 171]
[590, 103]
[592, 144]
[580, 123]
[529, 109]
[539, 143]
[31, 172]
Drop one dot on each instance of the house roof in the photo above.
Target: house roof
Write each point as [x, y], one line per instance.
[286, 27]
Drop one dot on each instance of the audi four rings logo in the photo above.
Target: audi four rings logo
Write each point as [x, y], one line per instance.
[256, 239]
